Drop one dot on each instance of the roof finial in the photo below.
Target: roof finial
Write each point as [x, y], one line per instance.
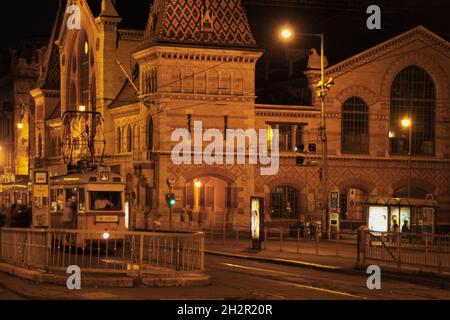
[109, 9]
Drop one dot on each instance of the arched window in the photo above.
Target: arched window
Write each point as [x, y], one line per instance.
[413, 96]
[119, 140]
[83, 76]
[40, 146]
[150, 134]
[285, 203]
[355, 126]
[416, 192]
[129, 139]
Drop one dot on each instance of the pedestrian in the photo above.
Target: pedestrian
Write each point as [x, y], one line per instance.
[11, 218]
[405, 227]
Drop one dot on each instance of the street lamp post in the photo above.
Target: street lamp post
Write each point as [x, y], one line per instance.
[407, 123]
[322, 90]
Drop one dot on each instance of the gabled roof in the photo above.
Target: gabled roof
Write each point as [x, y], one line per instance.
[51, 69]
[417, 33]
[199, 22]
[127, 94]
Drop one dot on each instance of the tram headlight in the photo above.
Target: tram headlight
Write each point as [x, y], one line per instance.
[106, 235]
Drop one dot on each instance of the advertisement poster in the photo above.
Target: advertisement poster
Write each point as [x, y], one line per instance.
[257, 218]
[378, 219]
[334, 201]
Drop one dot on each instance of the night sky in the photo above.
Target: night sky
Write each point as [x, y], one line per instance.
[343, 21]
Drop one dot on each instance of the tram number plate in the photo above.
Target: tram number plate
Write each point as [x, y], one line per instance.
[106, 219]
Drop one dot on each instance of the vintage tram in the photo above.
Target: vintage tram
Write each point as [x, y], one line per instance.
[88, 199]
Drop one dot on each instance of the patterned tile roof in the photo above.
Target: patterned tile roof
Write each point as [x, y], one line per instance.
[199, 22]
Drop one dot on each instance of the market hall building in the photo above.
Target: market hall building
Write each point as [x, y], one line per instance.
[197, 61]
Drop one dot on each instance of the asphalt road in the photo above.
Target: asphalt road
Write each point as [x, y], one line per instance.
[270, 281]
[6, 294]
[240, 279]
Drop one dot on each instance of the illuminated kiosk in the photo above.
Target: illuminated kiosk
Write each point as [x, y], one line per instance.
[401, 215]
[257, 221]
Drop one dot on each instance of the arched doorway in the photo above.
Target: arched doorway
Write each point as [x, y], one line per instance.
[208, 202]
[285, 203]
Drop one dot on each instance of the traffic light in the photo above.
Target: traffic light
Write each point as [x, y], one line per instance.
[300, 148]
[170, 199]
[312, 147]
[300, 161]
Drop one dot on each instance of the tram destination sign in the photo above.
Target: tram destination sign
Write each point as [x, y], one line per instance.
[106, 219]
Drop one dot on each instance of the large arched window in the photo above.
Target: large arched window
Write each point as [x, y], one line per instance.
[285, 203]
[119, 140]
[83, 76]
[150, 134]
[355, 126]
[413, 96]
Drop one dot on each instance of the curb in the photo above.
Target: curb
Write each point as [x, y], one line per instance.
[417, 277]
[90, 281]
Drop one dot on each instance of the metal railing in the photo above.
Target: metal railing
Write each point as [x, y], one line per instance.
[132, 253]
[290, 240]
[426, 252]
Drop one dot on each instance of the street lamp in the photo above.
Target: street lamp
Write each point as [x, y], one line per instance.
[20, 125]
[322, 88]
[407, 123]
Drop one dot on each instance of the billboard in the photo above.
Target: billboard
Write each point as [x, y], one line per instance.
[257, 218]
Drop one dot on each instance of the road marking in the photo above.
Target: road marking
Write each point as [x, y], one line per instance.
[266, 259]
[295, 284]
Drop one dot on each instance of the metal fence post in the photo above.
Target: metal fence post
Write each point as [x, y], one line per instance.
[440, 254]
[141, 257]
[426, 249]
[202, 253]
[28, 248]
[399, 249]
[265, 238]
[317, 240]
[281, 239]
[48, 250]
[337, 242]
[237, 236]
[298, 240]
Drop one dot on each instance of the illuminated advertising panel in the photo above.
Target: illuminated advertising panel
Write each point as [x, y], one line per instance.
[257, 218]
[378, 219]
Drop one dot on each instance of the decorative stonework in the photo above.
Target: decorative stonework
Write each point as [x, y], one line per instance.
[362, 92]
[211, 22]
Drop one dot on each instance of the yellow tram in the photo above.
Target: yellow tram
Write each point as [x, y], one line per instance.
[89, 199]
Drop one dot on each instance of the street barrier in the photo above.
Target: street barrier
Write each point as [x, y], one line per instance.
[427, 252]
[133, 253]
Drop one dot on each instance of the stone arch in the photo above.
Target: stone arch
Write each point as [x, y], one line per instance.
[362, 92]
[211, 172]
[427, 63]
[288, 182]
[362, 184]
[415, 183]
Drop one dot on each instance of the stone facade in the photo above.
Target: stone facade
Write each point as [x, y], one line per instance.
[192, 68]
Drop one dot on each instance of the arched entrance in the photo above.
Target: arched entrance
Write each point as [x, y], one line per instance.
[208, 202]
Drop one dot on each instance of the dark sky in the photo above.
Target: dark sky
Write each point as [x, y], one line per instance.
[342, 21]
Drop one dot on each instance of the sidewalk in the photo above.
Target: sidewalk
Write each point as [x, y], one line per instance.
[326, 260]
[304, 255]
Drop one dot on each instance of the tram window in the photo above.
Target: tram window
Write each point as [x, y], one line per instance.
[100, 200]
[81, 200]
[57, 200]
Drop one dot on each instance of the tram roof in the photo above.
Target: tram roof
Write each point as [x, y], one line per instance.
[90, 176]
[401, 202]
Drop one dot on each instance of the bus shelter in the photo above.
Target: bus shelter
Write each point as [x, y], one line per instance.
[401, 215]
